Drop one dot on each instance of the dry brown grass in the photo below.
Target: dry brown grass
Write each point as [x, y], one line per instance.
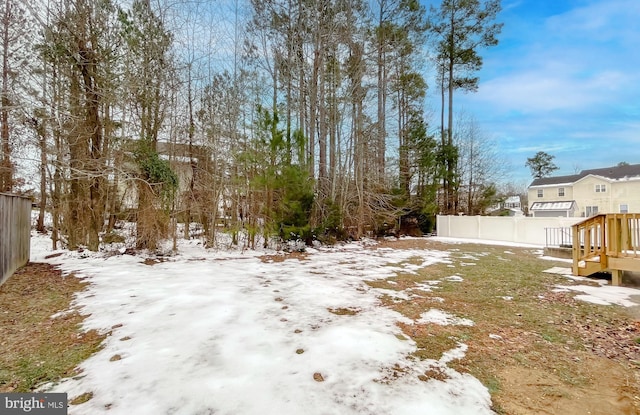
[352, 311]
[36, 348]
[554, 353]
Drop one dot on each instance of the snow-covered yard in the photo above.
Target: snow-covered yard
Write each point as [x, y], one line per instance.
[228, 333]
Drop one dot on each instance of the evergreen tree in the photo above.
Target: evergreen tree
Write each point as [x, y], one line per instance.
[286, 188]
[459, 28]
[541, 165]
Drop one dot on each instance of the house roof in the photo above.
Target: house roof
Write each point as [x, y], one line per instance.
[512, 199]
[614, 173]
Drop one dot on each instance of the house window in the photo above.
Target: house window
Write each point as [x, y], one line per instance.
[601, 188]
[540, 193]
[592, 210]
[561, 191]
[624, 208]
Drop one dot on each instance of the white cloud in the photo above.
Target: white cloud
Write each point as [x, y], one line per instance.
[563, 83]
[601, 20]
[547, 89]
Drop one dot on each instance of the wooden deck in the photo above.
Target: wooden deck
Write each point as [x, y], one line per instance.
[607, 242]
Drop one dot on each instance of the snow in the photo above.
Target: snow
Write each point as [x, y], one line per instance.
[558, 270]
[443, 318]
[426, 286]
[452, 240]
[552, 258]
[603, 295]
[223, 332]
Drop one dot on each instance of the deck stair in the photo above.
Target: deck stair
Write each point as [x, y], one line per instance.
[607, 242]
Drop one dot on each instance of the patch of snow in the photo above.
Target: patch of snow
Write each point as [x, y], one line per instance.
[495, 336]
[397, 296]
[443, 318]
[218, 332]
[507, 298]
[568, 273]
[61, 314]
[426, 286]
[559, 271]
[582, 279]
[603, 295]
[454, 354]
[454, 278]
[551, 258]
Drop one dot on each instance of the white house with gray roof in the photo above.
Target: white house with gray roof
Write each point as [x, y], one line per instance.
[607, 190]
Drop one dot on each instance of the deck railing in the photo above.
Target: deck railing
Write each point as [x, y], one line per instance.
[558, 237]
[607, 242]
[623, 235]
[589, 237]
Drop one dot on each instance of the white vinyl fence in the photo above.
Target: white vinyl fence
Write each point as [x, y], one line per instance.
[518, 229]
[15, 234]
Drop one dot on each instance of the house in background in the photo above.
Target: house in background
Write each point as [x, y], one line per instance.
[185, 161]
[607, 190]
[511, 206]
[513, 203]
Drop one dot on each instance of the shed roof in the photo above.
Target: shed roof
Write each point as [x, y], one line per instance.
[553, 205]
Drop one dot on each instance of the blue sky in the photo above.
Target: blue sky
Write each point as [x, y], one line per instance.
[564, 79]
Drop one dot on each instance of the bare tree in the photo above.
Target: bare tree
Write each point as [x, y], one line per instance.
[78, 44]
[149, 68]
[15, 33]
[479, 166]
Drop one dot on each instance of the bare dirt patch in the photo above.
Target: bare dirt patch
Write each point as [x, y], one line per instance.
[541, 391]
[538, 351]
[300, 256]
[344, 311]
[38, 346]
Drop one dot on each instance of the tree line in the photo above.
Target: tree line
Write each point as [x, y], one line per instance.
[273, 119]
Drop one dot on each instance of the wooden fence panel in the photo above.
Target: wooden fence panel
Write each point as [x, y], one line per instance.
[15, 234]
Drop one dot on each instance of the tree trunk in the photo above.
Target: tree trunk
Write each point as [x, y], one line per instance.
[43, 179]
[451, 168]
[382, 96]
[322, 124]
[6, 167]
[443, 143]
